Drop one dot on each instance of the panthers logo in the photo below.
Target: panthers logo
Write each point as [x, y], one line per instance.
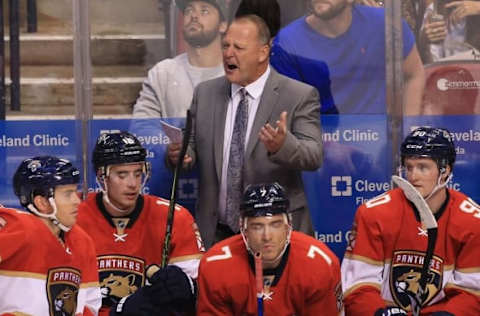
[405, 278]
[66, 302]
[119, 276]
[409, 283]
[63, 285]
[116, 286]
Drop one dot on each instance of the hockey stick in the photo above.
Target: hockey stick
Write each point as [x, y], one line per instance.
[173, 194]
[427, 219]
[259, 282]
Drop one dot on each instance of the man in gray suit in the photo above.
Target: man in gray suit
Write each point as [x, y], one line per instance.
[283, 134]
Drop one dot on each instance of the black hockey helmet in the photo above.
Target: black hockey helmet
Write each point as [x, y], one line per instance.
[117, 148]
[40, 175]
[264, 199]
[429, 142]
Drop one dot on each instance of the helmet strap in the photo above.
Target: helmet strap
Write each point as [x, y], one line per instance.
[439, 184]
[287, 242]
[51, 216]
[54, 216]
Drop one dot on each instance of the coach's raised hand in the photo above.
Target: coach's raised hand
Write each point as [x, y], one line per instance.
[273, 138]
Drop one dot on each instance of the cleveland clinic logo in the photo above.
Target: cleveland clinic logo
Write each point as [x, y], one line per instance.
[444, 84]
[341, 186]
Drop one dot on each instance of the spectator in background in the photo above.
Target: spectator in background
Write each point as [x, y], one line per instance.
[451, 30]
[168, 89]
[268, 10]
[339, 48]
[450, 90]
[47, 262]
[273, 137]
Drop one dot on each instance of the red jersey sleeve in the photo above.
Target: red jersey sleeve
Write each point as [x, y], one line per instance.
[90, 282]
[187, 246]
[13, 233]
[362, 265]
[327, 298]
[463, 290]
[211, 299]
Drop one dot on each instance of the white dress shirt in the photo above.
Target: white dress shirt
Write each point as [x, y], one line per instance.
[254, 93]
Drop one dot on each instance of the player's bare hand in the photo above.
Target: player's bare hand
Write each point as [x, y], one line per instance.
[173, 151]
[462, 9]
[273, 138]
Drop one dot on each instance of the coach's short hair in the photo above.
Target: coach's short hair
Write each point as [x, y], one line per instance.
[262, 27]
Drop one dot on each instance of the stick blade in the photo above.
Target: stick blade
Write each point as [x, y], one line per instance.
[416, 198]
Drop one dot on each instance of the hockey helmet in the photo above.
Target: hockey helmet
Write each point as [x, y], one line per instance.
[40, 175]
[117, 148]
[264, 199]
[429, 142]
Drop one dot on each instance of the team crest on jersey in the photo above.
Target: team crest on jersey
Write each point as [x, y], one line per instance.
[119, 276]
[339, 296]
[3, 222]
[200, 245]
[405, 275]
[351, 238]
[62, 291]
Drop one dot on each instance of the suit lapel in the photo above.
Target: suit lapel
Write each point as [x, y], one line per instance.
[268, 101]
[220, 103]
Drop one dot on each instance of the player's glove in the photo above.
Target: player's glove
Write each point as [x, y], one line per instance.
[170, 286]
[390, 311]
[136, 304]
[442, 313]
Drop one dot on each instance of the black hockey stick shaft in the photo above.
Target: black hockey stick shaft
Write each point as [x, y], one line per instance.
[173, 193]
[427, 219]
[432, 238]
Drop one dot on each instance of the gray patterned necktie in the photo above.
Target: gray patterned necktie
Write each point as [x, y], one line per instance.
[235, 163]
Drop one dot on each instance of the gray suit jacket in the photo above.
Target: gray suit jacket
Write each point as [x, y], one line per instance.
[302, 149]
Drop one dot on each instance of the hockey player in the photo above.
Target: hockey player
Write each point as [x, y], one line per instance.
[384, 258]
[47, 264]
[301, 276]
[129, 232]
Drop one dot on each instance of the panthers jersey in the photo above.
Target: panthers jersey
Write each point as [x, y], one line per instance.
[42, 275]
[306, 282]
[384, 257]
[127, 245]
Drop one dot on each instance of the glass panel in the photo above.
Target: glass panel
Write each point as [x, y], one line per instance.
[127, 38]
[45, 59]
[132, 41]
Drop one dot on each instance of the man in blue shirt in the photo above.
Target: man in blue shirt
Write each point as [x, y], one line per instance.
[339, 48]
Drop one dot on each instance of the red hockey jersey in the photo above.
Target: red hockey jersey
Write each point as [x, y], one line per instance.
[127, 245]
[385, 255]
[40, 275]
[307, 281]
